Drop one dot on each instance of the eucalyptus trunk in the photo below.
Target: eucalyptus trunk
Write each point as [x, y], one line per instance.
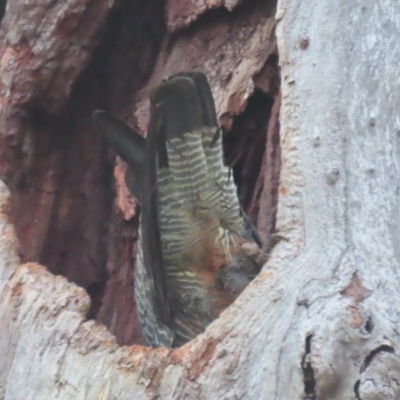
[321, 320]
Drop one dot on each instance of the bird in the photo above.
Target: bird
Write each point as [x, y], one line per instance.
[196, 249]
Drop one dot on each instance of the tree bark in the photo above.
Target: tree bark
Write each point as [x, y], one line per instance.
[321, 319]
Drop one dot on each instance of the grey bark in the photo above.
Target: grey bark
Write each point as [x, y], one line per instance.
[322, 319]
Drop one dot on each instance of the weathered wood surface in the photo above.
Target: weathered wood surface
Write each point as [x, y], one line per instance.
[62, 61]
[321, 321]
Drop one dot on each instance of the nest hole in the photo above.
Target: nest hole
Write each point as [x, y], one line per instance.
[62, 174]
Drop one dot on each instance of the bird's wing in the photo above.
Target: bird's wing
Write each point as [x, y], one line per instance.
[141, 156]
[127, 143]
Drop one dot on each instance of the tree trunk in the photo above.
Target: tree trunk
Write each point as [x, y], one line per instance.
[320, 321]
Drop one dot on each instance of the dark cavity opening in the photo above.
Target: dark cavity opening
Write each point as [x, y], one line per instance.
[244, 146]
[308, 372]
[369, 326]
[61, 174]
[3, 5]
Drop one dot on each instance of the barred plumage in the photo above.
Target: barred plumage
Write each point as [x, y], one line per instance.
[191, 262]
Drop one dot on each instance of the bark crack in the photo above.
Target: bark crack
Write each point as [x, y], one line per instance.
[367, 362]
[373, 353]
[308, 372]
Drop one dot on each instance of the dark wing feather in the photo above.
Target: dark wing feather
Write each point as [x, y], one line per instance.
[127, 143]
[204, 93]
[206, 100]
[182, 111]
[143, 157]
[133, 182]
[152, 250]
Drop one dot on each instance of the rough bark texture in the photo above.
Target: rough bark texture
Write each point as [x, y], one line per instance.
[59, 171]
[59, 63]
[321, 320]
